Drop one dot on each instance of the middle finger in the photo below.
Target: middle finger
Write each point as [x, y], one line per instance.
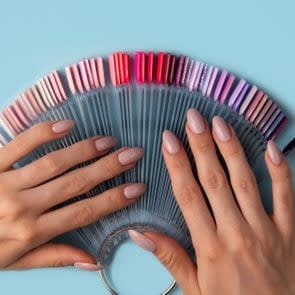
[211, 174]
[82, 180]
[58, 162]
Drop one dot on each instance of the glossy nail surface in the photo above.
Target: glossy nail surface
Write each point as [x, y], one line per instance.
[133, 191]
[130, 156]
[142, 241]
[221, 129]
[62, 126]
[170, 142]
[195, 121]
[274, 153]
[105, 143]
[88, 266]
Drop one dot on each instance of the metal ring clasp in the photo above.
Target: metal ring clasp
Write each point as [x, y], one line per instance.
[113, 292]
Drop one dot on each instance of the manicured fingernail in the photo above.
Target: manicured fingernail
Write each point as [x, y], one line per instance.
[88, 266]
[171, 142]
[130, 156]
[195, 121]
[221, 129]
[274, 153]
[135, 190]
[141, 240]
[105, 143]
[62, 126]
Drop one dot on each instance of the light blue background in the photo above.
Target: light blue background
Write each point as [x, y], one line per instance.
[252, 38]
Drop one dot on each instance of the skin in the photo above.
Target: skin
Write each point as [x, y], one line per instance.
[27, 221]
[240, 249]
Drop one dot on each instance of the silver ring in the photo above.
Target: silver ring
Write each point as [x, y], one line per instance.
[108, 286]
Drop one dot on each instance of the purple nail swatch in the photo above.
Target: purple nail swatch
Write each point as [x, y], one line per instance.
[181, 71]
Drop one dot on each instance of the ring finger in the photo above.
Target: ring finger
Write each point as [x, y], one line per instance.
[242, 177]
[82, 180]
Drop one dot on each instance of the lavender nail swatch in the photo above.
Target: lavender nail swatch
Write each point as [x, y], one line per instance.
[135, 98]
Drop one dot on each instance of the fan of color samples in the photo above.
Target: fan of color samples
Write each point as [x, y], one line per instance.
[135, 97]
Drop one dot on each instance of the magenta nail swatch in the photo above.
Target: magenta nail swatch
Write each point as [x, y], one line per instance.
[154, 104]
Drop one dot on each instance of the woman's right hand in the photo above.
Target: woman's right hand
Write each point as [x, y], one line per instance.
[240, 249]
[28, 194]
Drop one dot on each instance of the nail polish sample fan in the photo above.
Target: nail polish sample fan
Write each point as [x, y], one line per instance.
[135, 105]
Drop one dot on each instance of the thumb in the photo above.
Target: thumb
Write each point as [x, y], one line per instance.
[55, 255]
[172, 256]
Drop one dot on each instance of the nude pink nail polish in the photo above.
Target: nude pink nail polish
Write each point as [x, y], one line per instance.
[195, 121]
[134, 190]
[130, 156]
[221, 129]
[142, 241]
[105, 143]
[88, 266]
[170, 142]
[62, 126]
[274, 153]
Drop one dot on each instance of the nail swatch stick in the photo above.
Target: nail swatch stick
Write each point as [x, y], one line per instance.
[134, 98]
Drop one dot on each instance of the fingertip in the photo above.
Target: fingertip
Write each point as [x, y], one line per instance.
[69, 254]
[170, 142]
[53, 255]
[134, 190]
[142, 240]
[277, 164]
[196, 123]
[221, 129]
[88, 266]
[60, 127]
[162, 241]
[273, 153]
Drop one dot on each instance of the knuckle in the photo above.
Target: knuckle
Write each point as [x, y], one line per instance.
[187, 194]
[114, 197]
[242, 244]
[52, 164]
[25, 233]
[17, 145]
[77, 184]
[39, 130]
[109, 167]
[211, 253]
[178, 166]
[57, 260]
[214, 179]
[204, 145]
[246, 184]
[169, 259]
[233, 150]
[86, 146]
[11, 208]
[84, 215]
[83, 149]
